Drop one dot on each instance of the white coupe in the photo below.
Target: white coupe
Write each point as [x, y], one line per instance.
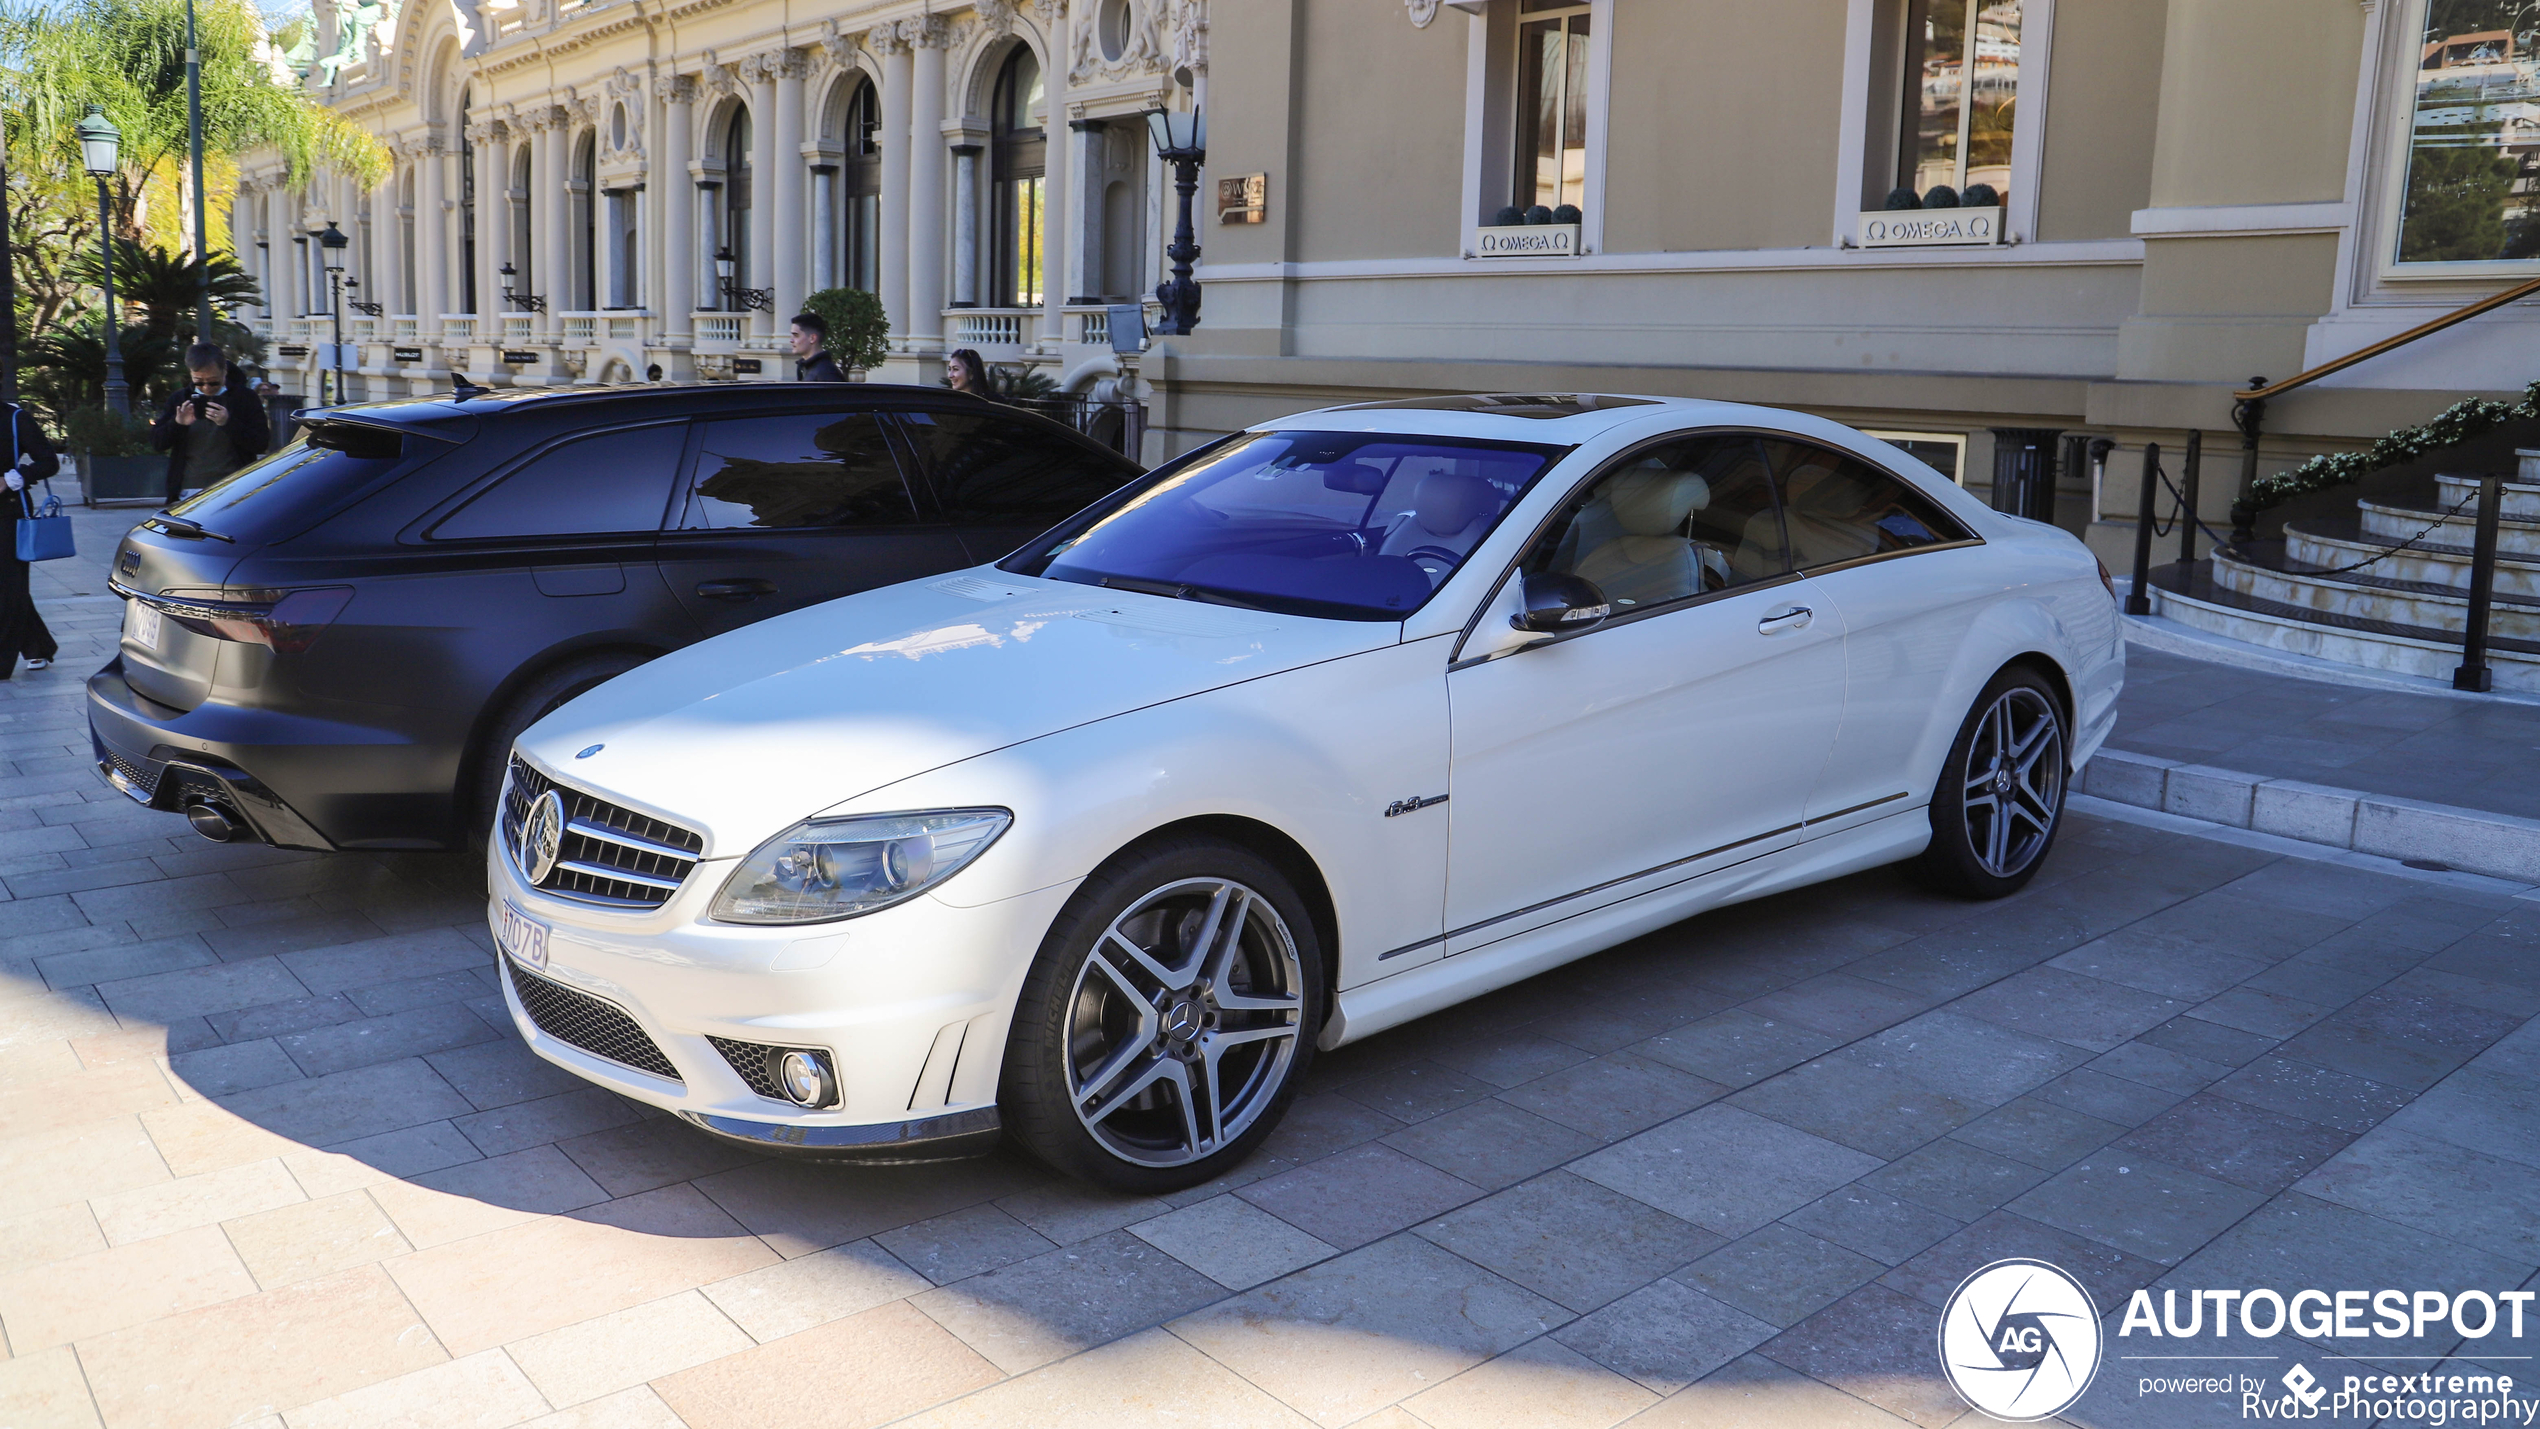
[1327, 725]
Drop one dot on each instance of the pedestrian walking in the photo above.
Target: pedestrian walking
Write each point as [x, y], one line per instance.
[812, 362]
[212, 427]
[22, 629]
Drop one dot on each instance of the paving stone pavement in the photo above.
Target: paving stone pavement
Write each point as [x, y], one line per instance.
[271, 1155]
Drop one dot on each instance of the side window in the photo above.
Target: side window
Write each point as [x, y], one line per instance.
[988, 470]
[1678, 521]
[796, 471]
[613, 483]
[1841, 508]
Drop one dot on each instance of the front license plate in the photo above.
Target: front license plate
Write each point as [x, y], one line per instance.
[143, 626]
[522, 936]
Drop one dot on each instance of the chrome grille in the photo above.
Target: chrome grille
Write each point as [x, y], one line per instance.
[755, 1062]
[609, 854]
[599, 1028]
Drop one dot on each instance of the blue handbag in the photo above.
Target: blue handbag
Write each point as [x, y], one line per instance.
[44, 533]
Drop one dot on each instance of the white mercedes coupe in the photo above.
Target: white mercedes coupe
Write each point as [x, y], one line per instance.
[1329, 724]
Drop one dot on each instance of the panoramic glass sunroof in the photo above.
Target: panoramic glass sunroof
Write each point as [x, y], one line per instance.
[1541, 406]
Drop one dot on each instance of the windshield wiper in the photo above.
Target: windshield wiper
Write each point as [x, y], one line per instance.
[187, 527]
[1177, 590]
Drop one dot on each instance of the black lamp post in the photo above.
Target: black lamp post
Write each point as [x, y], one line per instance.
[743, 299]
[194, 150]
[1181, 139]
[99, 143]
[368, 310]
[528, 302]
[334, 240]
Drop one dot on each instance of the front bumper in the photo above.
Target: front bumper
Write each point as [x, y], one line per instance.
[910, 1005]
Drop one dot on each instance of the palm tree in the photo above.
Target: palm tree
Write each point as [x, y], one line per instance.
[164, 286]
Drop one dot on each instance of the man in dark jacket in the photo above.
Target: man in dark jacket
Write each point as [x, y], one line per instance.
[213, 427]
[812, 362]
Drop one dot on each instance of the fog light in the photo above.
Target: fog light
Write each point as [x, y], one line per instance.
[806, 1078]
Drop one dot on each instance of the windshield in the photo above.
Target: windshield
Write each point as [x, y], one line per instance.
[1350, 525]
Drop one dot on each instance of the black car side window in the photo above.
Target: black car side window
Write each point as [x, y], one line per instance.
[1841, 508]
[1669, 523]
[990, 470]
[613, 483]
[796, 471]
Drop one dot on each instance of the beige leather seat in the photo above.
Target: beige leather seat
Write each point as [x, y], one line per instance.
[1448, 510]
[1652, 561]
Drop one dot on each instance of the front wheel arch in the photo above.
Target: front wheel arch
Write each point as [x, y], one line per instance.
[1291, 859]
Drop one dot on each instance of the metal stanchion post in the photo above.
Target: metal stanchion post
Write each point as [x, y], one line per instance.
[2187, 498]
[2473, 673]
[2138, 599]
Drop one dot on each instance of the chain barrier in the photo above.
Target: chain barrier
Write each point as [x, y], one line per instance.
[2178, 509]
[2431, 527]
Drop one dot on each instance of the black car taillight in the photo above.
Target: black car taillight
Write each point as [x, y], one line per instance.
[289, 622]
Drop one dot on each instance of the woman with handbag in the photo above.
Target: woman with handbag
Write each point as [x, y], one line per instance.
[22, 630]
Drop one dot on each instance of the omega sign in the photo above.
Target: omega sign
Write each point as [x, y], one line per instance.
[1526, 240]
[1914, 228]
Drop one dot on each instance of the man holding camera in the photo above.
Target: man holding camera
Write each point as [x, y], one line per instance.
[211, 428]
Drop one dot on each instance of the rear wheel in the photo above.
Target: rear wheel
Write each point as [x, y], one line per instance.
[1164, 1026]
[2000, 799]
[542, 696]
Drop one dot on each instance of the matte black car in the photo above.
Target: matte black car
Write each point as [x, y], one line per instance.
[334, 648]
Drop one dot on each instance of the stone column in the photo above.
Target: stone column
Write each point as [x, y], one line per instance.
[432, 236]
[493, 205]
[765, 216]
[382, 284]
[928, 36]
[965, 225]
[790, 269]
[552, 216]
[1057, 247]
[1088, 144]
[675, 194]
[885, 42]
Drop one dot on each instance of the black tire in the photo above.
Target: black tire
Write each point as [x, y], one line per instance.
[2000, 799]
[542, 696]
[1138, 1043]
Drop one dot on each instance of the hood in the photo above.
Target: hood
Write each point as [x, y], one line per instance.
[744, 734]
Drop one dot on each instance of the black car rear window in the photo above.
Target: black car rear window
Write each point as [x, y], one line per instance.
[282, 494]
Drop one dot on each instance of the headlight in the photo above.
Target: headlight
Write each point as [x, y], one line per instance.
[824, 869]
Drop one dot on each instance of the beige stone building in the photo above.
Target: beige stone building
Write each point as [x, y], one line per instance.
[2158, 200]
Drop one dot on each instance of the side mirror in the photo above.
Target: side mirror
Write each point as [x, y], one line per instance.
[1560, 605]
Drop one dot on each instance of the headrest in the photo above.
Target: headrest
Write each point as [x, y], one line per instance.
[1447, 501]
[1654, 501]
[1362, 478]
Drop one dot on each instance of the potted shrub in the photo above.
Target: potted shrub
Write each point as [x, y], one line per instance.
[859, 330]
[115, 460]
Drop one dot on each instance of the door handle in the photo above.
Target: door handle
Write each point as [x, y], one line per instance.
[1797, 617]
[736, 590]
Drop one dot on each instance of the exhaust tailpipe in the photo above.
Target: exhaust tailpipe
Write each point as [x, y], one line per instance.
[211, 822]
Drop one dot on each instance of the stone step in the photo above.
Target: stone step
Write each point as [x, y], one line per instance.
[2190, 595]
[2522, 497]
[2263, 571]
[2336, 544]
[2393, 521]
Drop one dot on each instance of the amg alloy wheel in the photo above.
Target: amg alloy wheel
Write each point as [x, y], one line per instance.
[1172, 1021]
[2001, 793]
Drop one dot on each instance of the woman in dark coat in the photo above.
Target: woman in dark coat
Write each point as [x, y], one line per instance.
[22, 630]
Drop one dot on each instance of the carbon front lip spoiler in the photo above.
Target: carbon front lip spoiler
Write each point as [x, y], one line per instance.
[950, 1137]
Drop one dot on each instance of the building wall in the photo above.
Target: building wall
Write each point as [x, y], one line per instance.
[2257, 100]
[1379, 136]
[1712, 147]
[2102, 113]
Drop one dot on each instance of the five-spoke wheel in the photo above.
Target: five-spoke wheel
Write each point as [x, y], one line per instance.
[2001, 794]
[1164, 1024]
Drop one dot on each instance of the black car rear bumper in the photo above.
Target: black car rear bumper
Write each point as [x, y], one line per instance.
[260, 768]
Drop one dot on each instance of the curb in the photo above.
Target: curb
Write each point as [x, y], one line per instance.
[2471, 840]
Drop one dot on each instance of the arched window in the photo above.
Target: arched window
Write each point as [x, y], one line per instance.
[467, 208]
[858, 203]
[582, 222]
[736, 199]
[1019, 120]
[521, 247]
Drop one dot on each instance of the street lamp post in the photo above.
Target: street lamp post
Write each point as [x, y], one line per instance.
[194, 148]
[1181, 139]
[743, 299]
[527, 302]
[99, 144]
[334, 241]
